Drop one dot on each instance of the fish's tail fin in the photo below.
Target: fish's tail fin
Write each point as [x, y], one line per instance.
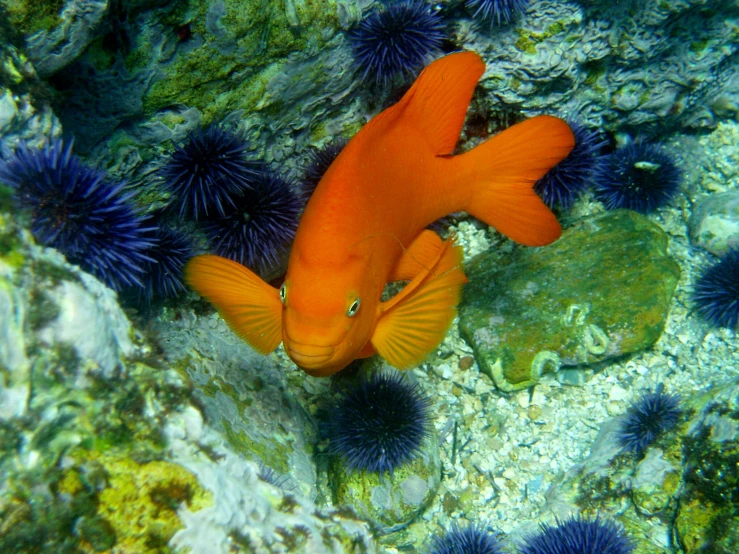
[503, 171]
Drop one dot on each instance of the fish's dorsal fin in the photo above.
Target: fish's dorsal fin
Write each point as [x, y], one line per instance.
[421, 254]
[251, 307]
[437, 102]
[415, 321]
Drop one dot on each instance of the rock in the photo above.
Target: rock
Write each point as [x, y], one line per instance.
[389, 502]
[714, 224]
[601, 291]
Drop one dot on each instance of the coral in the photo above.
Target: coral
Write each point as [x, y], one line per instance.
[259, 228]
[565, 181]
[578, 535]
[638, 176]
[163, 271]
[468, 540]
[319, 162]
[396, 40]
[208, 172]
[716, 292]
[75, 209]
[380, 425]
[496, 12]
[651, 415]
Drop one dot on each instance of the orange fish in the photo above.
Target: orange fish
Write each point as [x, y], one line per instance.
[364, 227]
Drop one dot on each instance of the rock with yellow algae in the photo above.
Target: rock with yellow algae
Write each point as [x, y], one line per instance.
[140, 501]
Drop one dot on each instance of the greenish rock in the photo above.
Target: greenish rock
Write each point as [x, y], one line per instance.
[714, 223]
[707, 519]
[601, 291]
[389, 502]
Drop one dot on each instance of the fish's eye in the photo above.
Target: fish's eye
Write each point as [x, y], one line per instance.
[354, 308]
[283, 293]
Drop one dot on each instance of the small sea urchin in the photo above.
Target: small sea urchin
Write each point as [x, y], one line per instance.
[163, 272]
[562, 184]
[397, 39]
[716, 292]
[639, 176]
[650, 416]
[320, 160]
[467, 540]
[79, 211]
[496, 12]
[380, 425]
[260, 226]
[578, 535]
[207, 172]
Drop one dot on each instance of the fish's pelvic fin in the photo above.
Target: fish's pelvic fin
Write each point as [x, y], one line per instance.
[415, 321]
[420, 254]
[505, 169]
[437, 102]
[251, 307]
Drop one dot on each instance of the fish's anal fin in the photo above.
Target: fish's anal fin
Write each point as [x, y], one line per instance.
[415, 321]
[421, 254]
[506, 167]
[251, 307]
[437, 102]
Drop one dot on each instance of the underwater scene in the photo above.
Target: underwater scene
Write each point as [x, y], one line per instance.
[369, 276]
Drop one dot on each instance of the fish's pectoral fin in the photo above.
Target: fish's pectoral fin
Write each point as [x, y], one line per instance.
[415, 321]
[251, 307]
[421, 254]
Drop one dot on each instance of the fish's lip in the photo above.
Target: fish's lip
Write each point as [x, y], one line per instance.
[309, 355]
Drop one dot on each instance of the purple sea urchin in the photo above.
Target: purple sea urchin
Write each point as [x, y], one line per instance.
[397, 39]
[320, 160]
[207, 172]
[163, 273]
[650, 416]
[639, 176]
[380, 425]
[77, 210]
[468, 540]
[716, 292]
[496, 12]
[565, 181]
[258, 229]
[578, 535]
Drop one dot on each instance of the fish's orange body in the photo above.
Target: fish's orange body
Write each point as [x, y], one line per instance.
[364, 227]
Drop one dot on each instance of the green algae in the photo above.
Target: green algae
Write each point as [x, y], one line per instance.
[31, 16]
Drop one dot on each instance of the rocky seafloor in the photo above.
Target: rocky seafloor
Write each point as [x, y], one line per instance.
[155, 429]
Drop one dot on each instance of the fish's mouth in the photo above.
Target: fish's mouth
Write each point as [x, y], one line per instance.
[309, 355]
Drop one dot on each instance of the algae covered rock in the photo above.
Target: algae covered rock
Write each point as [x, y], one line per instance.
[389, 501]
[601, 291]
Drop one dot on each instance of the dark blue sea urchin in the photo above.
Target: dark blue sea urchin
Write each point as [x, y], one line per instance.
[79, 211]
[650, 416]
[163, 273]
[397, 39]
[320, 160]
[467, 540]
[716, 292]
[259, 228]
[578, 535]
[380, 425]
[638, 176]
[206, 172]
[562, 184]
[496, 11]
